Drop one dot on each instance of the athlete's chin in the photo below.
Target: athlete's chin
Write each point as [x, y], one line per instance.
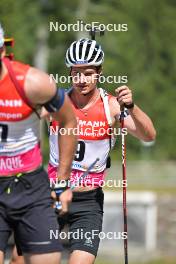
[84, 90]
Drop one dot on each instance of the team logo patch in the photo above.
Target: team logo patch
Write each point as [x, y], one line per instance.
[88, 242]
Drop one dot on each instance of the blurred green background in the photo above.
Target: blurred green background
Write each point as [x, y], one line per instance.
[146, 54]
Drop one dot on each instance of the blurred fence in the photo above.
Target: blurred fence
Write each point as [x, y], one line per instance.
[147, 174]
[160, 177]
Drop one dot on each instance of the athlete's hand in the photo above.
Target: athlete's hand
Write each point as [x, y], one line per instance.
[124, 95]
[65, 198]
[53, 196]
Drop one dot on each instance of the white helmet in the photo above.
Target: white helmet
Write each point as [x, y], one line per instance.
[84, 51]
[1, 36]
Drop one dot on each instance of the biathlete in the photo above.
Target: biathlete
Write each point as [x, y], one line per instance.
[98, 115]
[25, 195]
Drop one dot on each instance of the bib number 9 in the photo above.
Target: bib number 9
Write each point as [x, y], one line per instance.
[79, 156]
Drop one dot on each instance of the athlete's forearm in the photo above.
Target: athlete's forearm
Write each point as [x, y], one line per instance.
[144, 126]
[67, 147]
[67, 141]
